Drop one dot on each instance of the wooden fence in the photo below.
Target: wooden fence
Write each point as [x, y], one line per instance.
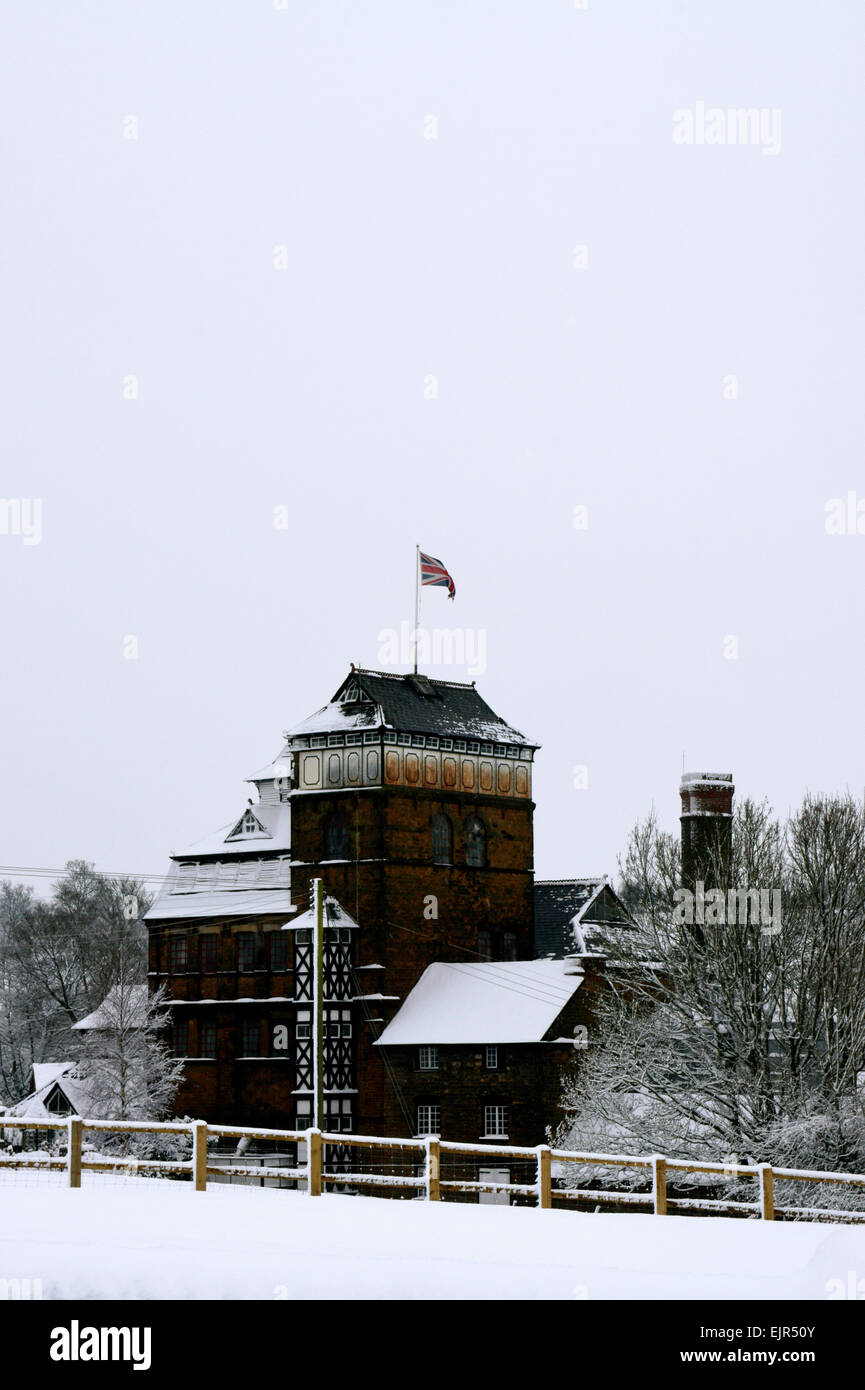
[427, 1178]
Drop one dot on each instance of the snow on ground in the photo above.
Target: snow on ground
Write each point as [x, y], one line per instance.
[151, 1239]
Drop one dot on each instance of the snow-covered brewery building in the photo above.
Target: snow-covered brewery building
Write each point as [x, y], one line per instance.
[455, 986]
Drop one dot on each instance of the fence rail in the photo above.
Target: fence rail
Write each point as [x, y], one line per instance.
[426, 1177]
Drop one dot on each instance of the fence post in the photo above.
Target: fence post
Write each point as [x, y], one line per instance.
[659, 1185]
[313, 1162]
[199, 1154]
[73, 1154]
[767, 1192]
[545, 1176]
[433, 1170]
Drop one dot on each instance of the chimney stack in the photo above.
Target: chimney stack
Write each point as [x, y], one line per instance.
[707, 828]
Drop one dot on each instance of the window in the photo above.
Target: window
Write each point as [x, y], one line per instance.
[336, 836]
[250, 1040]
[207, 1039]
[351, 694]
[247, 825]
[429, 1119]
[442, 840]
[245, 951]
[337, 1116]
[277, 942]
[303, 1028]
[304, 1114]
[485, 945]
[495, 1122]
[509, 945]
[491, 1058]
[177, 954]
[428, 1058]
[209, 948]
[180, 1039]
[337, 1023]
[476, 843]
[57, 1103]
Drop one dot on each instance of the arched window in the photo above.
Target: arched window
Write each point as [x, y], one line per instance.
[336, 836]
[476, 843]
[442, 840]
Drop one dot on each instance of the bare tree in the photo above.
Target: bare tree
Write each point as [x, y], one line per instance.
[736, 1035]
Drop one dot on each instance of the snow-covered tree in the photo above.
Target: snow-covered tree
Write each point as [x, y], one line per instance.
[58, 960]
[126, 1067]
[734, 1039]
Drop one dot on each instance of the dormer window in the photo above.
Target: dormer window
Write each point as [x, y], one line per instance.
[351, 693]
[247, 825]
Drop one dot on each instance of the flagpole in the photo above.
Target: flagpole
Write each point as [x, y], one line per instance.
[416, 601]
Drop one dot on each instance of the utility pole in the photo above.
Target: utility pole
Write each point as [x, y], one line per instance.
[318, 1003]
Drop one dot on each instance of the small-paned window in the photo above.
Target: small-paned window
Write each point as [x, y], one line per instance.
[429, 1119]
[442, 839]
[177, 954]
[245, 941]
[495, 1122]
[209, 953]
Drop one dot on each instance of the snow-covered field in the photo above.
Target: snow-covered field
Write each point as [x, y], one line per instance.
[163, 1240]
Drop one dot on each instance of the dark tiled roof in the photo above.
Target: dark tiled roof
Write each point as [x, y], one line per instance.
[420, 705]
[559, 901]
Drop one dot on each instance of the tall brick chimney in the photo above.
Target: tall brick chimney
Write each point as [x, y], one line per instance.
[707, 827]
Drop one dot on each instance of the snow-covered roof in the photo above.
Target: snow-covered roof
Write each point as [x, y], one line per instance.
[335, 915]
[114, 1006]
[411, 704]
[224, 890]
[573, 914]
[336, 718]
[274, 834]
[491, 1002]
[75, 1085]
[43, 1072]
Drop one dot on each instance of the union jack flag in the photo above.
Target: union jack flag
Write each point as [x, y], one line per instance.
[432, 571]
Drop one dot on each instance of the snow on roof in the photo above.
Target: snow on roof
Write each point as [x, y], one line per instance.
[280, 767]
[250, 902]
[72, 1081]
[224, 889]
[419, 705]
[275, 834]
[43, 1072]
[108, 1012]
[334, 718]
[335, 915]
[490, 1002]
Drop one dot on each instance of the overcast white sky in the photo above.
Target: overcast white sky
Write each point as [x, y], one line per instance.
[304, 127]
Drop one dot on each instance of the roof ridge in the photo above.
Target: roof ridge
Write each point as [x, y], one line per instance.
[406, 675]
[590, 878]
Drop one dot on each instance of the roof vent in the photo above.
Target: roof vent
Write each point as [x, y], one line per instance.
[423, 686]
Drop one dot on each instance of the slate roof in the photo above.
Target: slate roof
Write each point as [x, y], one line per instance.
[559, 903]
[409, 704]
